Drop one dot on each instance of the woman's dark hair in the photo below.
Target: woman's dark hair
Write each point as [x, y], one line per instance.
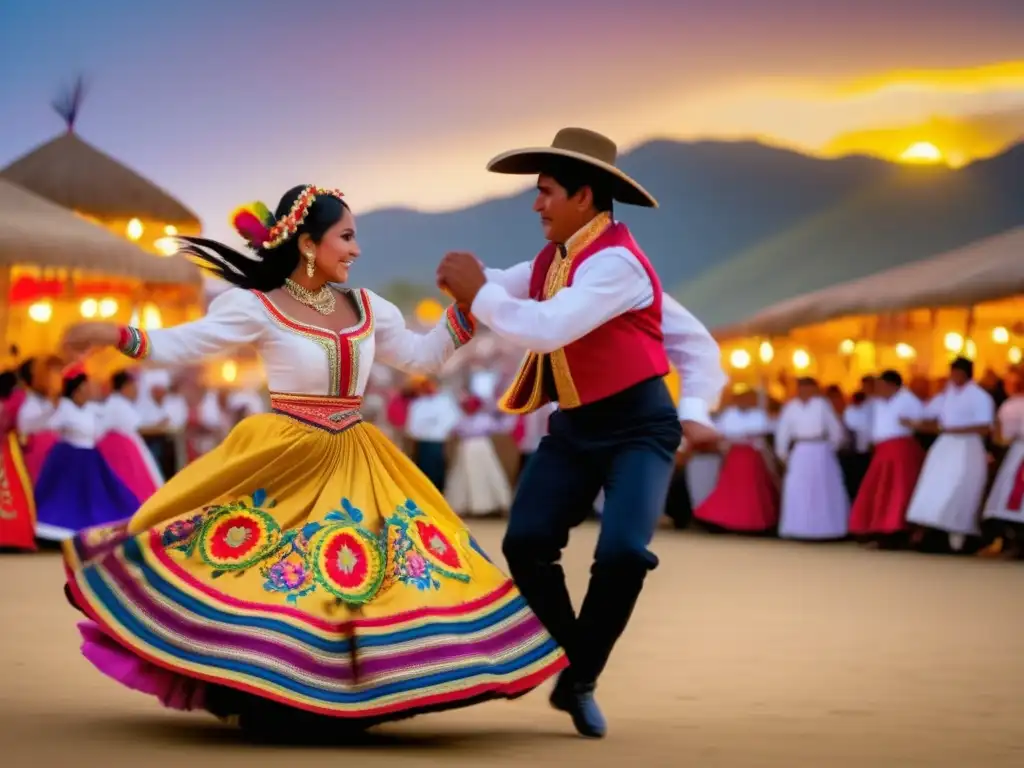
[8, 383]
[572, 175]
[269, 267]
[71, 385]
[25, 371]
[120, 380]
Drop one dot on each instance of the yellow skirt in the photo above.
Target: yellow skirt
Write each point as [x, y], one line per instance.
[307, 561]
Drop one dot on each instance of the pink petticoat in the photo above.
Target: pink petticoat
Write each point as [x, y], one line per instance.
[174, 691]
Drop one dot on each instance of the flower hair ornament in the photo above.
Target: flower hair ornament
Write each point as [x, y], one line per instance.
[261, 231]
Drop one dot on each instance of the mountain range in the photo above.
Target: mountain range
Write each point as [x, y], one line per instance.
[741, 225]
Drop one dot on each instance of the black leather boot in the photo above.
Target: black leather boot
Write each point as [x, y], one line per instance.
[611, 597]
[578, 700]
[542, 585]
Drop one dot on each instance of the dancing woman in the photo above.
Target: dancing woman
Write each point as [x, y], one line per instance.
[305, 565]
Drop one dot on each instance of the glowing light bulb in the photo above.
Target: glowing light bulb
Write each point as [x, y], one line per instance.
[1000, 335]
[970, 349]
[89, 308]
[847, 346]
[134, 229]
[953, 341]
[739, 358]
[1015, 355]
[170, 230]
[766, 352]
[108, 307]
[41, 311]
[801, 360]
[167, 246]
[905, 351]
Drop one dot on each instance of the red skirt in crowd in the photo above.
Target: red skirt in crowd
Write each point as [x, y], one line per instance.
[17, 504]
[746, 497]
[881, 504]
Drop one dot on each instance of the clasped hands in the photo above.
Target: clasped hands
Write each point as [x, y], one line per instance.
[461, 276]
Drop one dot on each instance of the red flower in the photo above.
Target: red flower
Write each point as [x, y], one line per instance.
[234, 538]
[437, 544]
[345, 561]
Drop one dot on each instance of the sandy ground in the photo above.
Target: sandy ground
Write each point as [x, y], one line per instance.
[741, 653]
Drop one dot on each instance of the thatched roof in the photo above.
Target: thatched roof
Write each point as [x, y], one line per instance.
[987, 270]
[75, 175]
[36, 231]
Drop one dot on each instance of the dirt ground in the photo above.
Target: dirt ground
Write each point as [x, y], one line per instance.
[741, 653]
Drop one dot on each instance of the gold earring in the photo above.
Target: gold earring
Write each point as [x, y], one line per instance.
[310, 263]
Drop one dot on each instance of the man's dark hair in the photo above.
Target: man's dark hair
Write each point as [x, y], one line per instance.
[572, 175]
[963, 364]
[892, 377]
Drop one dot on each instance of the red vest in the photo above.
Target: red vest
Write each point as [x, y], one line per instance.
[622, 352]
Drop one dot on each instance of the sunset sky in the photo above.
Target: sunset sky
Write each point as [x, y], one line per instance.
[402, 102]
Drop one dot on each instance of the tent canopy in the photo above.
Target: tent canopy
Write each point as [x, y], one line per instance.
[36, 231]
[74, 174]
[987, 270]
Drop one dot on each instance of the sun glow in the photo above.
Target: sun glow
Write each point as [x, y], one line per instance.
[922, 152]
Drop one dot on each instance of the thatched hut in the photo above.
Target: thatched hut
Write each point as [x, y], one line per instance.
[56, 267]
[73, 174]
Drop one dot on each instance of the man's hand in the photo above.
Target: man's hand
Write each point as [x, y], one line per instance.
[461, 276]
[699, 435]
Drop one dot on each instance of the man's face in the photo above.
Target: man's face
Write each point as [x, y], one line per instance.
[885, 388]
[958, 377]
[806, 391]
[561, 216]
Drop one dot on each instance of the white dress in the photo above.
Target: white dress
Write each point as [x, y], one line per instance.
[477, 483]
[950, 489]
[815, 504]
[1004, 500]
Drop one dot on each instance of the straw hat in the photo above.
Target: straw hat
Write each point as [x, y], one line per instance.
[588, 147]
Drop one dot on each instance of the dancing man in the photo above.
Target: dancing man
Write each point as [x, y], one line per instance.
[600, 334]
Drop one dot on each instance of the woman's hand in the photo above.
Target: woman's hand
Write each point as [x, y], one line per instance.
[83, 337]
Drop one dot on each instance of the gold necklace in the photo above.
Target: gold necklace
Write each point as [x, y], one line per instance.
[323, 301]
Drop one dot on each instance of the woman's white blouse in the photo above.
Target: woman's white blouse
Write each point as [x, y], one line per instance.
[77, 425]
[119, 414]
[304, 359]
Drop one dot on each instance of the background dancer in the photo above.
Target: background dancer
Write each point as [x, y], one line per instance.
[77, 488]
[815, 505]
[949, 492]
[879, 512]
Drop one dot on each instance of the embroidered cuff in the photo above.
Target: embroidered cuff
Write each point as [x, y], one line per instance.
[134, 342]
[461, 327]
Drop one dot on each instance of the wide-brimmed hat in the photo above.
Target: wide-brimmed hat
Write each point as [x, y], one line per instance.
[584, 146]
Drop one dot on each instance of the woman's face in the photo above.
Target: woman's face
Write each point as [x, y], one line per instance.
[337, 250]
[81, 395]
